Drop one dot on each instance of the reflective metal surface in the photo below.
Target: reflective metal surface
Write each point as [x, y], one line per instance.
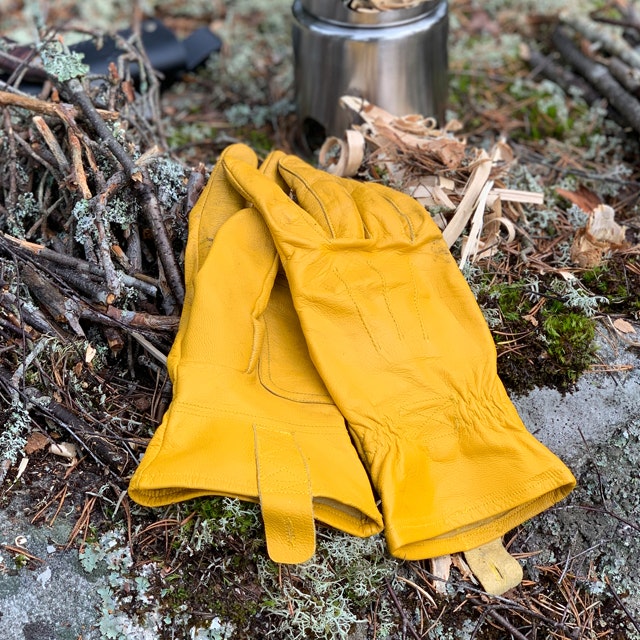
[400, 66]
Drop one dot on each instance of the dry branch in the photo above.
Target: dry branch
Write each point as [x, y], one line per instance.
[21, 314]
[628, 77]
[42, 107]
[600, 77]
[60, 307]
[142, 183]
[611, 40]
[83, 266]
[68, 308]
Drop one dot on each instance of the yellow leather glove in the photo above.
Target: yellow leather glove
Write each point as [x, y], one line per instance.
[406, 354]
[250, 417]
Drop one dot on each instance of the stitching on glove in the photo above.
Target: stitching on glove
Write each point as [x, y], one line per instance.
[357, 307]
[292, 517]
[386, 298]
[269, 383]
[287, 394]
[286, 486]
[405, 217]
[416, 305]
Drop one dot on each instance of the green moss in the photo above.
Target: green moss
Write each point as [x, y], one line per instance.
[226, 515]
[21, 561]
[568, 338]
[512, 300]
[551, 346]
[617, 281]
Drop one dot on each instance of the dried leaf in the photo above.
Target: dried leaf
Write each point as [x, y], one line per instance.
[35, 442]
[582, 197]
[623, 326]
[460, 564]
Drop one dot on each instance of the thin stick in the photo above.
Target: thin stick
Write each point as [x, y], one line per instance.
[102, 226]
[78, 169]
[501, 620]
[22, 552]
[634, 622]
[35, 105]
[51, 142]
[82, 523]
[401, 610]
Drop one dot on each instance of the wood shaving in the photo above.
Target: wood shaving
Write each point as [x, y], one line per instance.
[441, 568]
[437, 167]
[64, 449]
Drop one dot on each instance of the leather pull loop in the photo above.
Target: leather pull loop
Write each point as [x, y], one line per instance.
[286, 501]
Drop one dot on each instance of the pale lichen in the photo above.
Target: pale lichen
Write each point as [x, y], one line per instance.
[324, 597]
[16, 424]
[63, 64]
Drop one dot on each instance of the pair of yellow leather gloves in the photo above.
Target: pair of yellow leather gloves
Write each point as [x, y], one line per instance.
[311, 300]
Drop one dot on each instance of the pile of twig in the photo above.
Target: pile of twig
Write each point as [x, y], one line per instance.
[596, 57]
[88, 241]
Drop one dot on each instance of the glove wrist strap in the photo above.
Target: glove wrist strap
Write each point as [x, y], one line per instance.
[286, 498]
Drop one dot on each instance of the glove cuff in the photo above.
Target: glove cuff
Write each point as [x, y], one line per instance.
[458, 527]
[476, 474]
[297, 472]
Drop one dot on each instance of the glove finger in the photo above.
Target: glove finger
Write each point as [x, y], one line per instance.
[219, 201]
[232, 290]
[216, 204]
[413, 217]
[289, 223]
[382, 215]
[326, 198]
[269, 168]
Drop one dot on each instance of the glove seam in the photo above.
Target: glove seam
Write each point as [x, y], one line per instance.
[206, 411]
